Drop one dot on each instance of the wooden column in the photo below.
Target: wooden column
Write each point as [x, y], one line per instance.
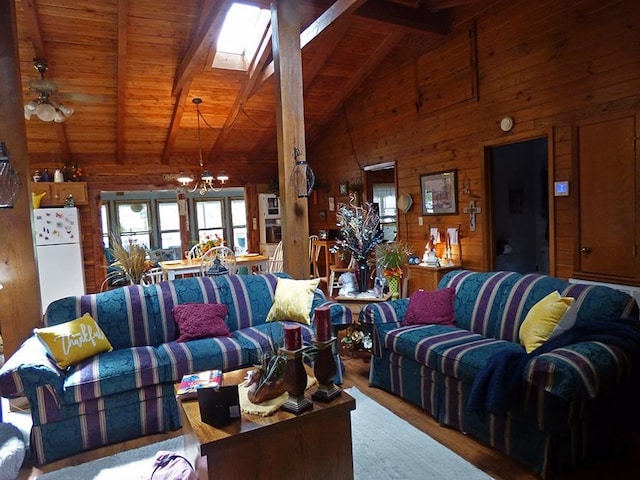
[285, 19]
[20, 297]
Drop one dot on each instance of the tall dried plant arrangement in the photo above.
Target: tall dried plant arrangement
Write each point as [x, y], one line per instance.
[132, 259]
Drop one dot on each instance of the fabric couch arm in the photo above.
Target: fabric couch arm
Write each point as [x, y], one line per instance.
[28, 368]
[340, 314]
[580, 371]
[392, 311]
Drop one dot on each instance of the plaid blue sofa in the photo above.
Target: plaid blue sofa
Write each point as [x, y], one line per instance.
[129, 392]
[573, 398]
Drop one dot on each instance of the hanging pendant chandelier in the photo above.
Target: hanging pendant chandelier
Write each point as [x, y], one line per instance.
[206, 181]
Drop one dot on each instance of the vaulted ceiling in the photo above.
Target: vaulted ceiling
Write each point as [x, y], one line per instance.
[131, 68]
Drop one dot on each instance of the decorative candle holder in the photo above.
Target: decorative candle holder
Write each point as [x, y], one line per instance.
[324, 369]
[295, 382]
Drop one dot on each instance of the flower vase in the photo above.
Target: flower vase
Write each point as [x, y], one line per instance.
[363, 276]
[394, 286]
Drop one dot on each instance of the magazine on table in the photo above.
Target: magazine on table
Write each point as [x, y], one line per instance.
[191, 382]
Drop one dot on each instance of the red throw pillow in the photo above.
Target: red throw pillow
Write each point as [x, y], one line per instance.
[201, 320]
[433, 307]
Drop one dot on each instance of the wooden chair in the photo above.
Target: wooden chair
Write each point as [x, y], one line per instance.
[312, 255]
[334, 283]
[194, 252]
[218, 261]
[275, 263]
[152, 276]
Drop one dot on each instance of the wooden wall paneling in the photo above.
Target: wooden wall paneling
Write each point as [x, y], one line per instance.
[540, 63]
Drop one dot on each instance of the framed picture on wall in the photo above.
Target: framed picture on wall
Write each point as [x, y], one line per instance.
[439, 193]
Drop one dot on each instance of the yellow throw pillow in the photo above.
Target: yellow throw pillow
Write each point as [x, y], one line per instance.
[542, 319]
[293, 300]
[74, 341]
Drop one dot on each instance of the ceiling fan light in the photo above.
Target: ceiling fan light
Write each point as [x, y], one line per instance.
[46, 112]
[27, 113]
[59, 117]
[66, 110]
[184, 178]
[31, 106]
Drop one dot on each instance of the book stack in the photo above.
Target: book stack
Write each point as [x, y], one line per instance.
[191, 382]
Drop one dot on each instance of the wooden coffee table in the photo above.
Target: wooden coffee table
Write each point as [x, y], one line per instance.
[313, 445]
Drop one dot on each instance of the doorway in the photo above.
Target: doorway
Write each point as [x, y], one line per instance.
[520, 206]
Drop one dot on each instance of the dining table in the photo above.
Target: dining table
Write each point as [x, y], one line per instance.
[178, 268]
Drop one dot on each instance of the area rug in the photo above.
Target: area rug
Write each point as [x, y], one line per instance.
[385, 447]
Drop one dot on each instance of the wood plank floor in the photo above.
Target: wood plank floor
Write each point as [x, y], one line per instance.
[625, 464]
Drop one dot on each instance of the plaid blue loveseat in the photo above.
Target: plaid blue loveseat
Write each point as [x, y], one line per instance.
[129, 392]
[573, 398]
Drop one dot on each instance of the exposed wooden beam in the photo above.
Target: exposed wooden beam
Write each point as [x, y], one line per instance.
[176, 118]
[32, 21]
[417, 20]
[204, 40]
[121, 79]
[285, 19]
[338, 11]
[329, 44]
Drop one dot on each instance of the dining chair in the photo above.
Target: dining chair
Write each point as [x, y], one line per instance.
[275, 263]
[194, 252]
[312, 255]
[218, 261]
[153, 275]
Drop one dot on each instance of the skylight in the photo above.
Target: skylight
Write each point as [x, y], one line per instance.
[240, 36]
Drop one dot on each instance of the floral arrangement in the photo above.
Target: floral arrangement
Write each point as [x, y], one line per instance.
[209, 242]
[360, 230]
[391, 257]
[72, 172]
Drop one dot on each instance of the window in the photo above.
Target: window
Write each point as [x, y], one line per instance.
[169, 224]
[384, 195]
[209, 218]
[133, 220]
[242, 31]
[104, 216]
[239, 225]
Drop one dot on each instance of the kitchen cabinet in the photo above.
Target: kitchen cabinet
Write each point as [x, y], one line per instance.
[56, 193]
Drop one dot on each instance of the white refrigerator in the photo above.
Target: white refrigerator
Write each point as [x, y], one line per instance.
[58, 253]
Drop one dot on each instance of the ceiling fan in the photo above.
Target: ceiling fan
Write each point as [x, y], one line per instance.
[44, 107]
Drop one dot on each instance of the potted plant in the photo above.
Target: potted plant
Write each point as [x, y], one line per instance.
[391, 257]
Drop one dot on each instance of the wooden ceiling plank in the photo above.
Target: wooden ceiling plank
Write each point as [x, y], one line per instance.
[204, 40]
[374, 60]
[33, 27]
[121, 79]
[253, 75]
[416, 20]
[176, 118]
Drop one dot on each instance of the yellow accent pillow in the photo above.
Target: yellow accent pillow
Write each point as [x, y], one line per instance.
[542, 319]
[36, 198]
[293, 300]
[74, 341]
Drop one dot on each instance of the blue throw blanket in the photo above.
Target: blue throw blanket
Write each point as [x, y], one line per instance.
[500, 383]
